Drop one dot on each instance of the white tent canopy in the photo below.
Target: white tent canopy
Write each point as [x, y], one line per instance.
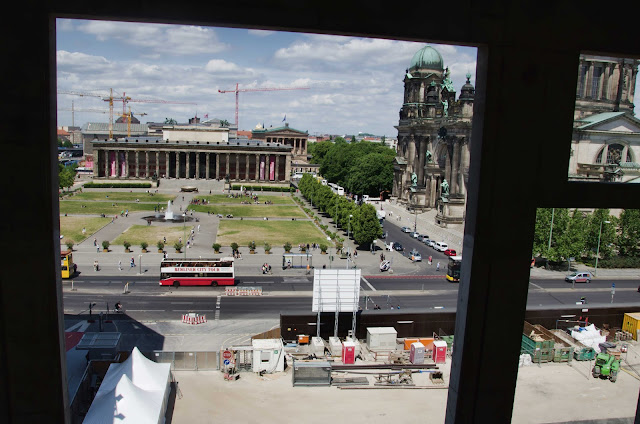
[135, 391]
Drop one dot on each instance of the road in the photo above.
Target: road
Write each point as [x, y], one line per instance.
[148, 301]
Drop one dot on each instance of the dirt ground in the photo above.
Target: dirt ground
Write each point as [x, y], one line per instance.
[549, 393]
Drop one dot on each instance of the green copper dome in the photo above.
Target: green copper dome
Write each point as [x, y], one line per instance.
[427, 58]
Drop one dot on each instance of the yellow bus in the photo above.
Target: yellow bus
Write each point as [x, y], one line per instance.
[67, 265]
[453, 270]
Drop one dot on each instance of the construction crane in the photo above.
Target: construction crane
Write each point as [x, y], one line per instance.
[244, 90]
[124, 99]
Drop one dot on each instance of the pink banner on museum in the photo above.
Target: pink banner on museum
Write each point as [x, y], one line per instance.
[272, 168]
[112, 164]
[123, 164]
[262, 167]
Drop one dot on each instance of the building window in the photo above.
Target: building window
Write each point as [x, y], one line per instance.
[583, 79]
[595, 82]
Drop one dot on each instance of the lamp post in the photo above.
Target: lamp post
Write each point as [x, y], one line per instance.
[349, 226]
[184, 233]
[329, 240]
[595, 272]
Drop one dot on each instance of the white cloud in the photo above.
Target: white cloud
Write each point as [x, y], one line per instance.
[177, 40]
[80, 62]
[260, 32]
[64, 25]
[219, 65]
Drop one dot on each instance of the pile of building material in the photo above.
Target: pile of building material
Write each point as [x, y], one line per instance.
[589, 336]
[580, 351]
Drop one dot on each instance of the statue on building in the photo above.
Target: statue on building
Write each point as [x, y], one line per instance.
[429, 156]
[446, 81]
[445, 188]
[445, 104]
[414, 179]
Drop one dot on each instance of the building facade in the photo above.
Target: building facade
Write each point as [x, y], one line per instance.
[605, 145]
[431, 167]
[286, 136]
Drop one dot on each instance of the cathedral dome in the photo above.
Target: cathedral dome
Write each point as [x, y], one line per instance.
[427, 58]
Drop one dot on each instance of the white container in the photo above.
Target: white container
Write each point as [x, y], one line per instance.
[317, 346]
[416, 356]
[268, 355]
[335, 346]
[381, 338]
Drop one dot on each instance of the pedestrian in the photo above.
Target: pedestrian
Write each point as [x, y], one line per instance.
[430, 259]
[198, 227]
[120, 265]
[97, 249]
[84, 230]
[438, 267]
[183, 198]
[132, 263]
[95, 241]
[164, 240]
[95, 265]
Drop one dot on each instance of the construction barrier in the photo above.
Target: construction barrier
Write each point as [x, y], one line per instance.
[243, 291]
[194, 319]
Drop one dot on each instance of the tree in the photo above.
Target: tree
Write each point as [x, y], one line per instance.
[629, 235]
[365, 224]
[319, 150]
[608, 236]
[66, 175]
[571, 242]
[370, 173]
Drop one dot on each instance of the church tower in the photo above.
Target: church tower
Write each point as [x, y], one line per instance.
[434, 130]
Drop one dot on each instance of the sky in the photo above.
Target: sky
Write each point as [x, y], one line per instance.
[353, 84]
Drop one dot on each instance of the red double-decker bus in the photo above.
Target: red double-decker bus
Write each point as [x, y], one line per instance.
[197, 272]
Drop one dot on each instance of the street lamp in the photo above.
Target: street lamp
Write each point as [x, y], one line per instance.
[595, 272]
[184, 232]
[329, 240]
[349, 226]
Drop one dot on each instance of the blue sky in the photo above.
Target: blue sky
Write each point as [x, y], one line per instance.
[355, 84]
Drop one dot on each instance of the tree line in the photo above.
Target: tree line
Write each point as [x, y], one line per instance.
[363, 225]
[361, 167]
[575, 234]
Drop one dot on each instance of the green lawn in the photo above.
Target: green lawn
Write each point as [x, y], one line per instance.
[71, 227]
[251, 211]
[117, 196]
[92, 207]
[223, 198]
[275, 233]
[136, 234]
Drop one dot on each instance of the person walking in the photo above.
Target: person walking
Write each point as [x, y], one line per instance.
[132, 263]
[438, 267]
[430, 259]
[119, 265]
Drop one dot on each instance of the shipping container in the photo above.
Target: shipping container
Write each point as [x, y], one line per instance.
[426, 341]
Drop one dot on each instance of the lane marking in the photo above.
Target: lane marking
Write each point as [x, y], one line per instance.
[145, 310]
[368, 284]
[181, 303]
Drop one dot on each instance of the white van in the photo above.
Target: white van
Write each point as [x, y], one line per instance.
[441, 246]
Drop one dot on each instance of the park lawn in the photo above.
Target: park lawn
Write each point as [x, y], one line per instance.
[223, 198]
[71, 227]
[276, 233]
[118, 196]
[136, 234]
[96, 208]
[251, 211]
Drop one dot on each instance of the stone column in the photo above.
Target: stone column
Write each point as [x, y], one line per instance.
[237, 173]
[177, 163]
[277, 167]
[146, 164]
[287, 168]
[127, 173]
[106, 163]
[226, 169]
[206, 168]
[187, 164]
[217, 165]
[246, 169]
[157, 165]
[137, 164]
[421, 159]
[166, 164]
[197, 165]
[117, 162]
[455, 171]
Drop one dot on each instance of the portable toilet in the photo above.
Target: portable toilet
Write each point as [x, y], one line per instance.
[416, 356]
[439, 351]
[348, 353]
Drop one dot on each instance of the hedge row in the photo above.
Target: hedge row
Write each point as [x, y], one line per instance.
[264, 188]
[117, 185]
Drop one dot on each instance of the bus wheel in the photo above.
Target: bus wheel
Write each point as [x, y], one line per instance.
[176, 284]
[214, 284]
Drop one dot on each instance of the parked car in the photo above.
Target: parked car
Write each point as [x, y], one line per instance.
[397, 246]
[441, 246]
[579, 277]
[415, 256]
[430, 243]
[450, 252]
[406, 229]
[426, 240]
[416, 235]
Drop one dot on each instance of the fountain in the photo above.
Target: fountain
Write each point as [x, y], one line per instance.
[168, 215]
